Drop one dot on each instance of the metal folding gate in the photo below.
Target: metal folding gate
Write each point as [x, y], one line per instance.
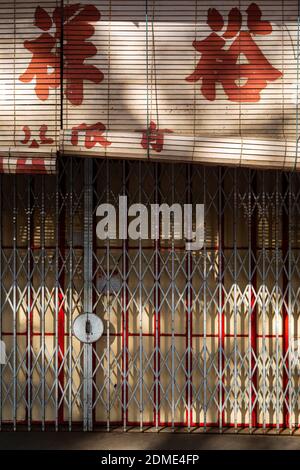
[200, 340]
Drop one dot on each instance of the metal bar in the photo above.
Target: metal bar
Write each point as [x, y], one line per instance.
[43, 311]
[205, 278]
[291, 246]
[70, 296]
[252, 223]
[277, 323]
[173, 313]
[88, 279]
[221, 344]
[61, 253]
[56, 300]
[157, 272]
[235, 307]
[189, 331]
[264, 318]
[14, 313]
[29, 326]
[108, 334]
[177, 249]
[141, 307]
[94, 293]
[286, 280]
[125, 311]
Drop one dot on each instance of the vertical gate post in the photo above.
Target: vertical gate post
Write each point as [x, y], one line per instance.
[60, 289]
[221, 323]
[253, 311]
[87, 299]
[286, 305]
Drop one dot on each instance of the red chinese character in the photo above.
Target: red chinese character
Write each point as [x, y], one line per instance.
[220, 65]
[93, 135]
[44, 140]
[76, 49]
[28, 165]
[154, 137]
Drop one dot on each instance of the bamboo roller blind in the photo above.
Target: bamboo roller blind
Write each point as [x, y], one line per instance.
[190, 80]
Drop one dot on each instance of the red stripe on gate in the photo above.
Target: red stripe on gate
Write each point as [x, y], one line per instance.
[61, 307]
[61, 353]
[285, 314]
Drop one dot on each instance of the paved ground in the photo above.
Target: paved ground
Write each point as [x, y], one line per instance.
[144, 441]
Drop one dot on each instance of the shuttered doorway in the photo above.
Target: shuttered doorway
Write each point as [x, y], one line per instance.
[197, 340]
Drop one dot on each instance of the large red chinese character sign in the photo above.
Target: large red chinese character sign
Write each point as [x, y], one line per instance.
[46, 50]
[219, 65]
